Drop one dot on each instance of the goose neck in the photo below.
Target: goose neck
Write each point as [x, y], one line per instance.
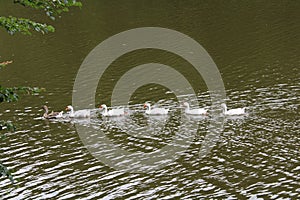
[46, 109]
[148, 107]
[187, 107]
[71, 110]
[224, 107]
[105, 109]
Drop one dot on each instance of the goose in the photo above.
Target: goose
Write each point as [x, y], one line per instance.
[155, 111]
[52, 115]
[78, 113]
[198, 111]
[113, 112]
[236, 111]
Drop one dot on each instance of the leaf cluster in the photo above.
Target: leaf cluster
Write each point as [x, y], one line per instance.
[5, 125]
[52, 9]
[5, 172]
[22, 25]
[13, 25]
[11, 94]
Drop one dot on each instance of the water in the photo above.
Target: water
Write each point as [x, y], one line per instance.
[256, 48]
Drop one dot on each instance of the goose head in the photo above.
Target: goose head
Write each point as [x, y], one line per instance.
[147, 105]
[103, 106]
[69, 108]
[186, 104]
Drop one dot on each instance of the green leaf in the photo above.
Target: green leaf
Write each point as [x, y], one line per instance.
[5, 172]
[7, 125]
[22, 25]
[52, 8]
[11, 94]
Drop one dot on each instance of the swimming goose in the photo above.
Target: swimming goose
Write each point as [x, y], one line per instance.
[155, 111]
[78, 113]
[236, 111]
[113, 112]
[198, 111]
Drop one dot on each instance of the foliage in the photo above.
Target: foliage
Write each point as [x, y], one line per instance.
[51, 7]
[13, 25]
[11, 94]
[7, 125]
[10, 127]
[4, 125]
[24, 26]
[5, 172]
[7, 94]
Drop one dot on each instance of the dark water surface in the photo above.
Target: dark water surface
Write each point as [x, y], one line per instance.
[255, 45]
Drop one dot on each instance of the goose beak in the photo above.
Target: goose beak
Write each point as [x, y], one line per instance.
[100, 106]
[145, 106]
[67, 108]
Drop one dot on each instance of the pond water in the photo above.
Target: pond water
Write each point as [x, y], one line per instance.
[256, 48]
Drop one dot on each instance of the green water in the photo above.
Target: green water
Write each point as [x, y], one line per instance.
[255, 45]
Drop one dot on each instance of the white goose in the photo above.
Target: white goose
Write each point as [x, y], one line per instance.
[155, 111]
[236, 111]
[198, 111]
[113, 112]
[78, 113]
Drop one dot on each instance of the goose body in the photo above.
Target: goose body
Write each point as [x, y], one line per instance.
[236, 111]
[155, 111]
[52, 115]
[198, 111]
[113, 112]
[78, 113]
